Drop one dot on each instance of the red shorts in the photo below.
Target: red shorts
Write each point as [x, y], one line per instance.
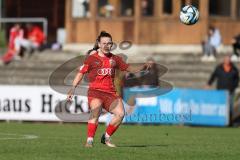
[106, 97]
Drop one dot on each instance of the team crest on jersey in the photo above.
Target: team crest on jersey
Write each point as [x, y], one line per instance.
[112, 62]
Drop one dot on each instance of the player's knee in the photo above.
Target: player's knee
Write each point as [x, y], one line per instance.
[94, 116]
[121, 114]
[93, 120]
[95, 113]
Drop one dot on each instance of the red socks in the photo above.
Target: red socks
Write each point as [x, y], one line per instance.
[92, 127]
[111, 129]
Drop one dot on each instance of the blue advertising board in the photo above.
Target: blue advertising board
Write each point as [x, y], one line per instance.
[179, 106]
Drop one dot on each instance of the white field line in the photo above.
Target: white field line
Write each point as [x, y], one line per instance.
[8, 136]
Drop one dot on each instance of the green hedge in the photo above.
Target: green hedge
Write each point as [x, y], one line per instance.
[3, 42]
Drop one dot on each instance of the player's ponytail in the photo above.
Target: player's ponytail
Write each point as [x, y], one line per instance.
[95, 47]
[102, 34]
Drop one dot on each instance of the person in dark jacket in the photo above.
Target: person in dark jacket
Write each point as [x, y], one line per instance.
[227, 77]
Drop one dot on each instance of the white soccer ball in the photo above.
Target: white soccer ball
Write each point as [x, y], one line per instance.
[189, 15]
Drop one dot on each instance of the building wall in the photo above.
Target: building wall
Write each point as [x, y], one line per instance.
[157, 29]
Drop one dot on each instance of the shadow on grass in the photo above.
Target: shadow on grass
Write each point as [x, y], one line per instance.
[141, 146]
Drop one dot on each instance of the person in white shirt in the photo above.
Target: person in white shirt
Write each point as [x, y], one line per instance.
[210, 45]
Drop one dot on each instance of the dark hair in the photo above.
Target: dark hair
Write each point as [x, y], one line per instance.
[102, 34]
[211, 27]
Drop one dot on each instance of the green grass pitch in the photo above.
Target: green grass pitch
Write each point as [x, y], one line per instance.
[44, 141]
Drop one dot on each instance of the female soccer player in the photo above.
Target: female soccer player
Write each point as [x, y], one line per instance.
[100, 66]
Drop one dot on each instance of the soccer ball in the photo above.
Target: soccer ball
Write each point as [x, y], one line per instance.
[189, 15]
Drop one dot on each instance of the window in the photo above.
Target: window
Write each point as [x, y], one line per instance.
[80, 8]
[105, 8]
[219, 7]
[147, 7]
[167, 6]
[127, 7]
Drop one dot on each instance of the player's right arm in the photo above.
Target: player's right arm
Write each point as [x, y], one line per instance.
[212, 78]
[76, 81]
[82, 70]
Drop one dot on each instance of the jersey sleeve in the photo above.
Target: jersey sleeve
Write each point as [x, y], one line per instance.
[85, 67]
[121, 64]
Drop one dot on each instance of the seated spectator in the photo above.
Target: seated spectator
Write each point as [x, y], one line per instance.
[35, 39]
[210, 45]
[106, 10]
[236, 48]
[147, 7]
[16, 33]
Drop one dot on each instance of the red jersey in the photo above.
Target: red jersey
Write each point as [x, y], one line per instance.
[101, 71]
[36, 35]
[14, 33]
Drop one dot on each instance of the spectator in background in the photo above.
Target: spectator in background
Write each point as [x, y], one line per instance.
[85, 4]
[147, 8]
[236, 47]
[128, 12]
[35, 35]
[16, 33]
[227, 77]
[106, 10]
[35, 39]
[210, 44]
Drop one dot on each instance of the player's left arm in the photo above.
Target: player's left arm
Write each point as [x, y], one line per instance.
[132, 68]
[135, 69]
